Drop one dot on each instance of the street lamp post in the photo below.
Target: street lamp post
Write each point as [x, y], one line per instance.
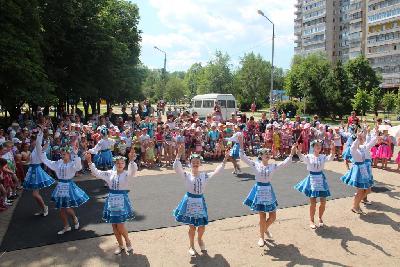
[273, 53]
[165, 65]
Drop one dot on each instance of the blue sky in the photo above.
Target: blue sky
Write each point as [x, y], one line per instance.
[191, 31]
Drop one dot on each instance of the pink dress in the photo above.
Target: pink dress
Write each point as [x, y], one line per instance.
[374, 152]
[384, 150]
[305, 134]
[398, 158]
[285, 139]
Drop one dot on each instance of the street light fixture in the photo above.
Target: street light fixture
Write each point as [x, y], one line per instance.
[165, 59]
[273, 52]
[165, 66]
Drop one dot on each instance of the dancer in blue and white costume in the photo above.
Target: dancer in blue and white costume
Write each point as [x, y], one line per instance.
[315, 185]
[371, 139]
[103, 157]
[67, 195]
[192, 210]
[358, 176]
[118, 208]
[262, 197]
[36, 178]
[346, 155]
[234, 151]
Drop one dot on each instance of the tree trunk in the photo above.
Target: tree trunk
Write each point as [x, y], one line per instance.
[85, 108]
[98, 107]
[93, 105]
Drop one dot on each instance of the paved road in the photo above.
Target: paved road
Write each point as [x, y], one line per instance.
[154, 197]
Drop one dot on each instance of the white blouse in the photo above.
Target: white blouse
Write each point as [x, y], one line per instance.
[103, 144]
[196, 185]
[315, 164]
[264, 173]
[361, 152]
[64, 171]
[114, 180]
[371, 141]
[37, 151]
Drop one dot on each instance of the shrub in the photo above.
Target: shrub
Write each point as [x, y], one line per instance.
[290, 107]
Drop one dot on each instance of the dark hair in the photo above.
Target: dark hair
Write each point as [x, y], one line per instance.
[3, 162]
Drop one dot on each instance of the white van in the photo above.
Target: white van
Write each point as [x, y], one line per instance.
[204, 104]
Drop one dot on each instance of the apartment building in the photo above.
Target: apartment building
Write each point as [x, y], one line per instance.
[345, 29]
[383, 40]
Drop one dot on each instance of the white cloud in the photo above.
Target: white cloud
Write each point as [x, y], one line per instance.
[198, 27]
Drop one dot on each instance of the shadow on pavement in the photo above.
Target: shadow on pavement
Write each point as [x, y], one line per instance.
[345, 235]
[204, 259]
[382, 219]
[77, 254]
[378, 206]
[291, 253]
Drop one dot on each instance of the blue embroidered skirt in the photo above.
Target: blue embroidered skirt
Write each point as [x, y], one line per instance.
[346, 155]
[68, 195]
[118, 207]
[103, 159]
[37, 178]
[234, 153]
[314, 185]
[192, 210]
[358, 176]
[262, 198]
[368, 162]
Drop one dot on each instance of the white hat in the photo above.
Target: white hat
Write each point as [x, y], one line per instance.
[16, 141]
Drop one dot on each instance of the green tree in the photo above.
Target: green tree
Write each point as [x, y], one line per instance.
[193, 79]
[361, 101]
[252, 80]
[308, 78]
[175, 89]
[153, 84]
[22, 75]
[339, 92]
[389, 101]
[292, 84]
[361, 74]
[398, 102]
[376, 97]
[217, 76]
[91, 50]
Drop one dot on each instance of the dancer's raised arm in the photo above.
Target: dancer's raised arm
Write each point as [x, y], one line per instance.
[177, 163]
[132, 166]
[220, 167]
[96, 172]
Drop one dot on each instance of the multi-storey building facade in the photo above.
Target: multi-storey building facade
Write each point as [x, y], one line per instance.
[345, 29]
[383, 40]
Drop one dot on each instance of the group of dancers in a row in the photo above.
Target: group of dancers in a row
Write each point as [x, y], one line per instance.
[192, 210]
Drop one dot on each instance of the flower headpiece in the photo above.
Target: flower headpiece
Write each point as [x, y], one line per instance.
[195, 156]
[119, 158]
[319, 141]
[104, 131]
[66, 148]
[263, 151]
